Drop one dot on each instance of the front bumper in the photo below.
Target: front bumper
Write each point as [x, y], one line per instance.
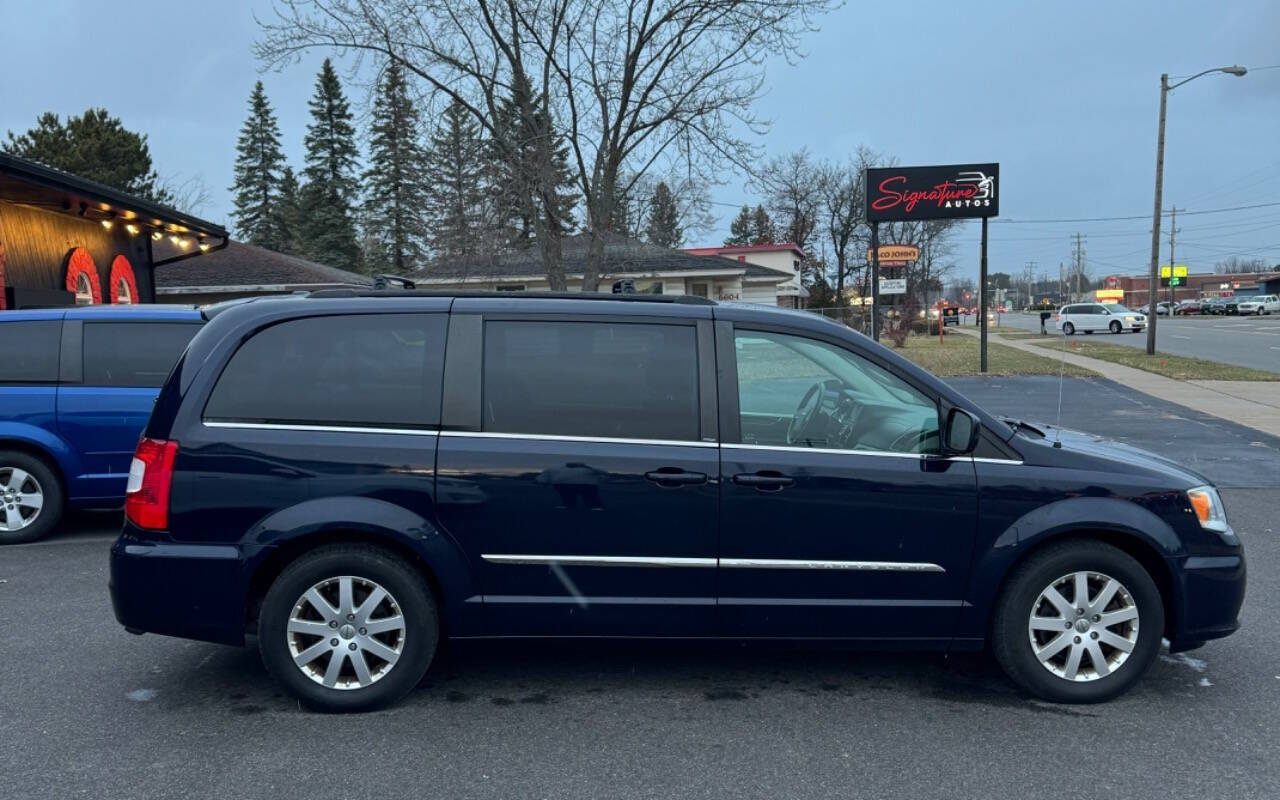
[1212, 592]
[193, 591]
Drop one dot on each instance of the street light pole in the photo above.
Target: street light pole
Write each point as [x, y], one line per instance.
[1153, 277]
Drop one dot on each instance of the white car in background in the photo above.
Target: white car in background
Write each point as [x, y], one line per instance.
[1261, 304]
[1090, 317]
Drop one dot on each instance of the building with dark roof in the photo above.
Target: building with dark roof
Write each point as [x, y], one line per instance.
[66, 240]
[650, 268]
[243, 270]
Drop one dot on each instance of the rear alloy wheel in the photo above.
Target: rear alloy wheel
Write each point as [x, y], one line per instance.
[30, 498]
[1115, 326]
[348, 628]
[1078, 622]
[1068, 328]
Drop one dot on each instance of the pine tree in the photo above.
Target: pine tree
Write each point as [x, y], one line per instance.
[288, 212]
[663, 228]
[455, 197]
[762, 230]
[259, 160]
[523, 147]
[329, 230]
[740, 230]
[396, 198]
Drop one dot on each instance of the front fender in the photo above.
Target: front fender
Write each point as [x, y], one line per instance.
[1047, 522]
[380, 521]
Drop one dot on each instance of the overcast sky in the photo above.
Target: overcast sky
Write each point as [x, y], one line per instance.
[1064, 96]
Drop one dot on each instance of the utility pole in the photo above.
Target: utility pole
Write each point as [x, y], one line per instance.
[1077, 256]
[1030, 275]
[1173, 232]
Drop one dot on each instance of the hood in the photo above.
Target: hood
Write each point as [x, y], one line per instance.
[1087, 450]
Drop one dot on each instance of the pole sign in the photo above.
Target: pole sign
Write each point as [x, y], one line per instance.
[1173, 276]
[956, 191]
[893, 286]
[895, 254]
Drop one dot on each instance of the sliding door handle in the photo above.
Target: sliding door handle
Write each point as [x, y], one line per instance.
[765, 481]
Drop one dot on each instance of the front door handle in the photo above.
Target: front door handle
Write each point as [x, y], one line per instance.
[672, 477]
[764, 481]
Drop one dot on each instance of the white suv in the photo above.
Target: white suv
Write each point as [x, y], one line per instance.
[1262, 304]
[1090, 317]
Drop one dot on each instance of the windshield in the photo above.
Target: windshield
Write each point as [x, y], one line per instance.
[1116, 308]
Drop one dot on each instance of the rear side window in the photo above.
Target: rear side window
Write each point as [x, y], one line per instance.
[30, 351]
[592, 379]
[133, 353]
[377, 370]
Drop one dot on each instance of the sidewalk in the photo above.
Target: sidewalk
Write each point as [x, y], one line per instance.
[1252, 403]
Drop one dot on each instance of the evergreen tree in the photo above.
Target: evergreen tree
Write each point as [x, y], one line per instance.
[523, 147]
[762, 230]
[94, 145]
[328, 229]
[396, 197]
[288, 211]
[257, 175]
[663, 227]
[455, 197]
[740, 230]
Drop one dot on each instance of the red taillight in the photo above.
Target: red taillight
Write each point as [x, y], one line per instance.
[146, 498]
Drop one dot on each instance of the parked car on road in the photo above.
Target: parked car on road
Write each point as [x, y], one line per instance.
[352, 476]
[76, 387]
[1090, 317]
[1214, 305]
[1188, 308]
[1231, 305]
[1259, 304]
[1163, 309]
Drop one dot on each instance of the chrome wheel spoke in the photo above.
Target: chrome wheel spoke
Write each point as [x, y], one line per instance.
[13, 519]
[361, 667]
[310, 627]
[17, 478]
[346, 604]
[1104, 597]
[1072, 666]
[1059, 602]
[1054, 647]
[1118, 642]
[380, 650]
[370, 603]
[313, 652]
[320, 604]
[34, 502]
[1081, 596]
[1098, 659]
[385, 625]
[1047, 623]
[1117, 617]
[335, 668]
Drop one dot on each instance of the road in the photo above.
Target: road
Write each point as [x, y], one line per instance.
[87, 710]
[1244, 341]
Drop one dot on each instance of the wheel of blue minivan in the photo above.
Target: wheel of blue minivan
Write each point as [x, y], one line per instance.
[31, 497]
[348, 628]
[1078, 622]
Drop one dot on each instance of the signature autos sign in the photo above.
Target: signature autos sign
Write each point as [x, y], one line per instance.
[956, 191]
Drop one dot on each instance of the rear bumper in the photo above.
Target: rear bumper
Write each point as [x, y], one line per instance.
[1212, 592]
[187, 590]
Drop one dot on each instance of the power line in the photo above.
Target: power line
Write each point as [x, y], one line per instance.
[1135, 216]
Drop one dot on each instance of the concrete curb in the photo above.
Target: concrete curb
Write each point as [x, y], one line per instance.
[1254, 404]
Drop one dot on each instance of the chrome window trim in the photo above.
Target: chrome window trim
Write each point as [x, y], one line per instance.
[548, 437]
[728, 563]
[1015, 461]
[598, 561]
[279, 426]
[831, 451]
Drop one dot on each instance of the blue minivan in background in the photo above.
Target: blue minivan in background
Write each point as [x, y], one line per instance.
[76, 388]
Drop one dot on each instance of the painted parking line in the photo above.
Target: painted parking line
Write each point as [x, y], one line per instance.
[1171, 336]
[59, 542]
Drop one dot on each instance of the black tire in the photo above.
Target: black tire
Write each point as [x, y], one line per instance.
[50, 486]
[1115, 326]
[1068, 329]
[1011, 641]
[405, 584]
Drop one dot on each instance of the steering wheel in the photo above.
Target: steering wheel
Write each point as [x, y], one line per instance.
[807, 413]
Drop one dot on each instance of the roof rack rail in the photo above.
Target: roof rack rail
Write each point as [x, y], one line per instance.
[682, 299]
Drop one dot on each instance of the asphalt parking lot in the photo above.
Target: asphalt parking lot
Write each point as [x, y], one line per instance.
[87, 710]
[1244, 341]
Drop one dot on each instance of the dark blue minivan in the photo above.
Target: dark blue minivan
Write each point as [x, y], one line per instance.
[348, 478]
[76, 388]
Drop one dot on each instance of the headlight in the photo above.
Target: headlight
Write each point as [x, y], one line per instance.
[1208, 507]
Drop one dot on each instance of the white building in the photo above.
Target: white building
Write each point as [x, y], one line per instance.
[783, 259]
[653, 269]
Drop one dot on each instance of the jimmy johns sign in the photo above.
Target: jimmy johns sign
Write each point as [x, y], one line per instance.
[958, 191]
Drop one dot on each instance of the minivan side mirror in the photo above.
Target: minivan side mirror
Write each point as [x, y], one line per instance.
[960, 434]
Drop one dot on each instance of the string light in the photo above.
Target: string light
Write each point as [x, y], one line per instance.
[132, 229]
[157, 234]
[106, 223]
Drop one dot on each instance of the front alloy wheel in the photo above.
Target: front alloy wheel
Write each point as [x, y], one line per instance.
[1079, 621]
[21, 498]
